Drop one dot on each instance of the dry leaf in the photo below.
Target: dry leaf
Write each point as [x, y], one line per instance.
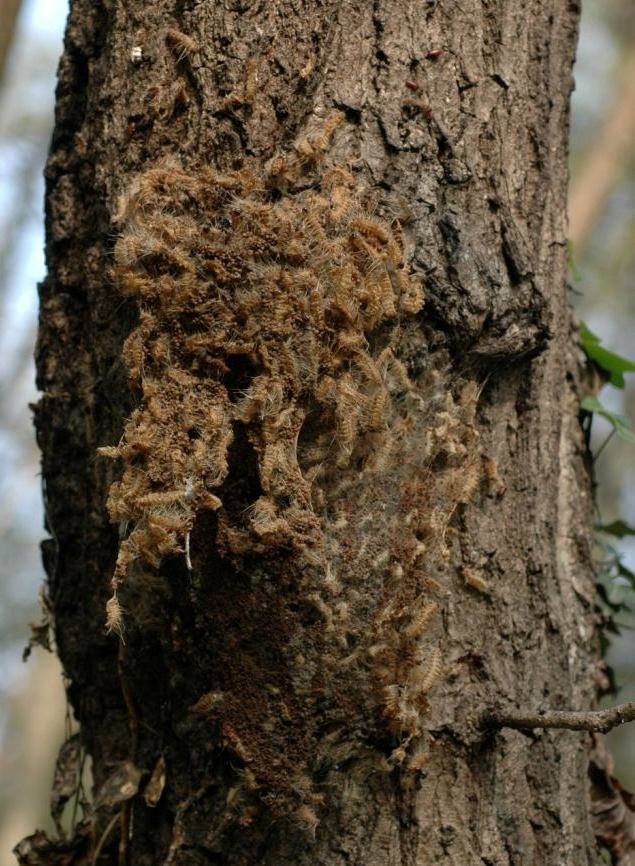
[121, 785]
[41, 631]
[154, 788]
[66, 778]
[39, 850]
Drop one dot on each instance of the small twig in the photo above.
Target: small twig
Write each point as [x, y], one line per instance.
[128, 697]
[603, 445]
[188, 560]
[586, 720]
[124, 837]
[80, 788]
[104, 836]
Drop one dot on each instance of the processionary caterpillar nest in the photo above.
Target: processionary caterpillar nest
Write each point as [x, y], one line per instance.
[271, 310]
[290, 290]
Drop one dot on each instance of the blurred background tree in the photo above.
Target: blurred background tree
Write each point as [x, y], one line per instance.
[32, 708]
[602, 231]
[602, 218]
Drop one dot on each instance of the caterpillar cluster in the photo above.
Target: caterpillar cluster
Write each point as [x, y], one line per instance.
[272, 302]
[404, 665]
[257, 310]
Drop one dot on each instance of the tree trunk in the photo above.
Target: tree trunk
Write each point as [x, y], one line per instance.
[307, 285]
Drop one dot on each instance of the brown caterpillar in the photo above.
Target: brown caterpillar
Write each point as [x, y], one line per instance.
[181, 44]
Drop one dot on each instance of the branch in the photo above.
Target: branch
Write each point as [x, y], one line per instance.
[605, 160]
[589, 720]
[9, 10]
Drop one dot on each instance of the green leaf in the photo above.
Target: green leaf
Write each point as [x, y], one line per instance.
[614, 606]
[623, 571]
[614, 365]
[587, 337]
[625, 626]
[620, 423]
[618, 528]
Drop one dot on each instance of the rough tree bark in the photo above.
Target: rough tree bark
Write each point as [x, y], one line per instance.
[308, 653]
